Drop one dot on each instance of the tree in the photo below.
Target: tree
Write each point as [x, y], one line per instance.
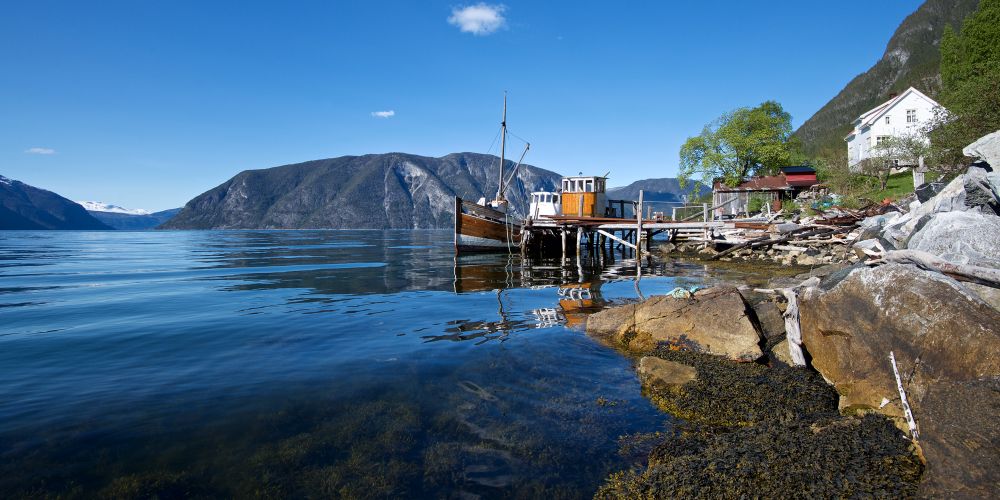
[891, 153]
[738, 144]
[970, 79]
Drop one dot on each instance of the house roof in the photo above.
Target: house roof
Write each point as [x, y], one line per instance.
[872, 115]
[771, 182]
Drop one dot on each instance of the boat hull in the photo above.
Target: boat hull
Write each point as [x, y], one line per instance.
[482, 229]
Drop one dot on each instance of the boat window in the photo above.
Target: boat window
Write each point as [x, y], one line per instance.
[589, 186]
[555, 198]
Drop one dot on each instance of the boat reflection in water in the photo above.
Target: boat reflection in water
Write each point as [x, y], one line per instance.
[567, 294]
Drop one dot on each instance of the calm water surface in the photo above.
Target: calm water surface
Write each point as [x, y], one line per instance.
[308, 363]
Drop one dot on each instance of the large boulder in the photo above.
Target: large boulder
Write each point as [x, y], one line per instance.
[970, 191]
[715, 321]
[961, 238]
[946, 342]
[987, 148]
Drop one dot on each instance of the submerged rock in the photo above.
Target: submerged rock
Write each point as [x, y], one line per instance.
[665, 374]
[714, 321]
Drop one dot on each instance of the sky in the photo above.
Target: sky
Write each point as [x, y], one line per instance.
[146, 103]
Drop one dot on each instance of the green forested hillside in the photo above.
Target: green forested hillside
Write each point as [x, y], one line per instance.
[912, 58]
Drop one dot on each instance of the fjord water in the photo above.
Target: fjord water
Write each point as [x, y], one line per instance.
[307, 363]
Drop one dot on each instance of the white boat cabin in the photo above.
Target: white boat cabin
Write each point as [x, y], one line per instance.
[544, 203]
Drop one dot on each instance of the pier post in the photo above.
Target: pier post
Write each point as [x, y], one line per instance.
[638, 216]
[563, 232]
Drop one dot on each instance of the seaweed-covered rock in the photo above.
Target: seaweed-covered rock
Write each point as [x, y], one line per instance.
[946, 343]
[714, 321]
[834, 458]
[750, 430]
[666, 374]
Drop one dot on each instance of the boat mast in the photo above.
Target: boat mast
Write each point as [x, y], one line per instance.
[503, 145]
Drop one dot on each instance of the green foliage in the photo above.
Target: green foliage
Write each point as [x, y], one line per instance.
[970, 75]
[741, 143]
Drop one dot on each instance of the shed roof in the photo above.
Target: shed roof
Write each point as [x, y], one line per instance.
[798, 169]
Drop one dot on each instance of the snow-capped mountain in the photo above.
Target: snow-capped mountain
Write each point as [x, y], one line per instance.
[99, 206]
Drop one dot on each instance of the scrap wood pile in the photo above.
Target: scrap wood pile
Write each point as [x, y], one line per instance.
[806, 241]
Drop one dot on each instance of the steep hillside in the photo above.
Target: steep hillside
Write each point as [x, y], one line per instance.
[134, 222]
[378, 191]
[26, 207]
[912, 58]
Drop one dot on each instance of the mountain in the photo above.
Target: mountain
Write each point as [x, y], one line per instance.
[27, 207]
[134, 222]
[666, 189]
[100, 206]
[912, 59]
[376, 191]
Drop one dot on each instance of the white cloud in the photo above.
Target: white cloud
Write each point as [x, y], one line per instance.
[480, 19]
[40, 151]
[384, 114]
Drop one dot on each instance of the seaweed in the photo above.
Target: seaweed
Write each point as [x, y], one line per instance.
[753, 431]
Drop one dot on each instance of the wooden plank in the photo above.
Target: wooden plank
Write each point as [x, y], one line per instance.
[609, 235]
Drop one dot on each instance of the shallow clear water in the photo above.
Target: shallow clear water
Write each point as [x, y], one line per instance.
[308, 363]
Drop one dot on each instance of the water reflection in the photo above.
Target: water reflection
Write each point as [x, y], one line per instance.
[308, 363]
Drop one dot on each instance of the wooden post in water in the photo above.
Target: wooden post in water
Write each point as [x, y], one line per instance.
[638, 216]
[579, 210]
[563, 233]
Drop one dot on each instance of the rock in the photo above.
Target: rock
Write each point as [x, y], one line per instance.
[809, 260]
[969, 191]
[668, 247]
[666, 374]
[960, 436]
[987, 148]
[944, 338]
[960, 237]
[850, 329]
[714, 321]
[787, 227]
[780, 352]
[772, 323]
[928, 191]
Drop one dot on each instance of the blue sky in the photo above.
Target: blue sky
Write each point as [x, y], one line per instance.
[146, 104]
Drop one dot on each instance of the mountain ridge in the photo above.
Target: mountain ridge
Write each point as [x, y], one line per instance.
[23, 206]
[373, 191]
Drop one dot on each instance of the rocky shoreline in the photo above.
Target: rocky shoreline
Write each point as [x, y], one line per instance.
[875, 374]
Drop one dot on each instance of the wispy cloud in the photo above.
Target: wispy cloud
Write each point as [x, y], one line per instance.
[384, 114]
[480, 19]
[40, 151]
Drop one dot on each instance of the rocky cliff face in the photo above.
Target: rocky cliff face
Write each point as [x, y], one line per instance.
[26, 207]
[379, 191]
[912, 58]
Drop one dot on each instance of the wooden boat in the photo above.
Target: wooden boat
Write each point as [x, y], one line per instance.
[489, 226]
[484, 229]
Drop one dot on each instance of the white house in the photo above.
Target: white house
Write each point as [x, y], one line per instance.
[904, 114]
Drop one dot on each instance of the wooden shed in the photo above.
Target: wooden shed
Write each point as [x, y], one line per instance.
[771, 190]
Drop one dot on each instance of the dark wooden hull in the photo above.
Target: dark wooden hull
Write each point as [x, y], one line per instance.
[483, 229]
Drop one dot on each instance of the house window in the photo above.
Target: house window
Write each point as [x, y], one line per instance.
[880, 139]
[911, 116]
[887, 120]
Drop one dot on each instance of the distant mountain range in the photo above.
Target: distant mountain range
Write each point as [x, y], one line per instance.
[134, 222]
[376, 191]
[100, 206]
[912, 58]
[26, 207]
[666, 189]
